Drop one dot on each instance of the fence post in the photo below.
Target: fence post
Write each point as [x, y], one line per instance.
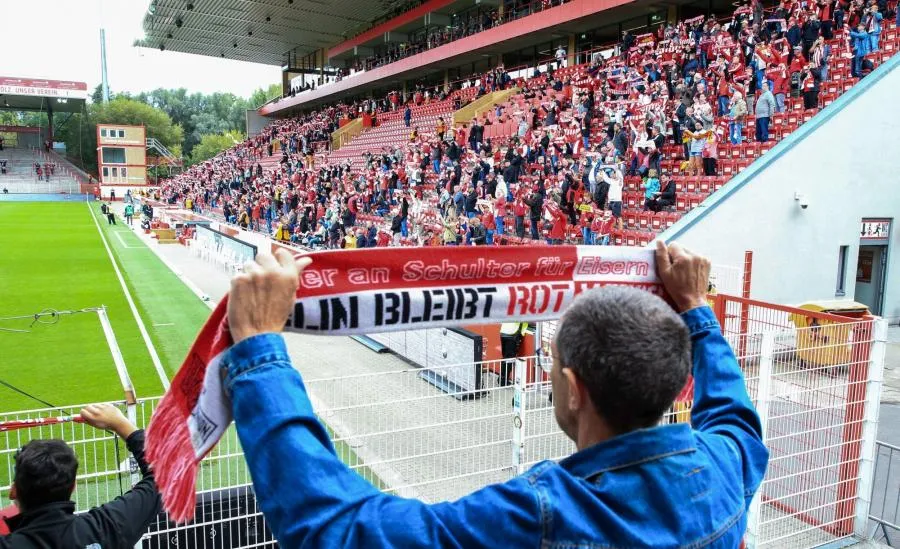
[870, 425]
[745, 307]
[848, 488]
[763, 397]
[518, 434]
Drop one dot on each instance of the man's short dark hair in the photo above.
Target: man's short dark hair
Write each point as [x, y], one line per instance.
[45, 473]
[631, 350]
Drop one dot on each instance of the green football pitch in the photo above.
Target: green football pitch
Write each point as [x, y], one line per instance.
[54, 258]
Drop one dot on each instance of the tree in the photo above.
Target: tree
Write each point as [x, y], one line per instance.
[212, 144]
[263, 96]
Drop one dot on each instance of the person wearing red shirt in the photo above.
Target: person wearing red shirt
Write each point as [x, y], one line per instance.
[490, 225]
[777, 75]
[519, 211]
[558, 230]
[500, 214]
[602, 227]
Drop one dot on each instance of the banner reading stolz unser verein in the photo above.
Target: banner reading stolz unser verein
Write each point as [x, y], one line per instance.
[381, 290]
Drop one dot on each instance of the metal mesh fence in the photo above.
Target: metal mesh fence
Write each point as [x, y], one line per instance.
[416, 433]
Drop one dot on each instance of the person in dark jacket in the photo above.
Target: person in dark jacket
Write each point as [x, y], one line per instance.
[536, 206]
[479, 234]
[665, 198]
[44, 480]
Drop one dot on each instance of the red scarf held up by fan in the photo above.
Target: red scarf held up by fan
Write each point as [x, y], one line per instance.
[381, 290]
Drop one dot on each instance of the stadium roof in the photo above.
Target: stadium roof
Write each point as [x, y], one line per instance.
[259, 31]
[32, 94]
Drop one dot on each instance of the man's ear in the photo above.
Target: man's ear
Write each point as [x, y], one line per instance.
[12, 492]
[576, 388]
[72, 490]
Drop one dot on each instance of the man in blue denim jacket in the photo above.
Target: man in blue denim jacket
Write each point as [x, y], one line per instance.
[620, 358]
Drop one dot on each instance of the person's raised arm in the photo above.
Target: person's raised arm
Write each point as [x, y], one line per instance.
[131, 513]
[721, 404]
[309, 497]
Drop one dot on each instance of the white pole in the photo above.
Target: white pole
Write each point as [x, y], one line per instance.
[870, 426]
[119, 361]
[763, 397]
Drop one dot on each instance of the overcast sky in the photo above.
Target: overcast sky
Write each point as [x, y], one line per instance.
[60, 40]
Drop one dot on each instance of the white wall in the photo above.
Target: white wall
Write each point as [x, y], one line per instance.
[847, 162]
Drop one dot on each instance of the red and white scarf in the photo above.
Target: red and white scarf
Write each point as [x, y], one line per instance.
[381, 290]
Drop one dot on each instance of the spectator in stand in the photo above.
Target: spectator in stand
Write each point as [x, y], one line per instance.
[810, 33]
[737, 113]
[810, 86]
[519, 211]
[560, 57]
[859, 43]
[765, 108]
[613, 177]
[711, 153]
[535, 202]
[479, 234]
[873, 26]
[620, 358]
[450, 223]
[407, 115]
[665, 198]
[651, 188]
[42, 487]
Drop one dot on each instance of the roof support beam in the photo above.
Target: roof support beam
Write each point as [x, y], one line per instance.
[438, 19]
[394, 36]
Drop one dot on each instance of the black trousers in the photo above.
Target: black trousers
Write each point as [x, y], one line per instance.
[509, 348]
[810, 99]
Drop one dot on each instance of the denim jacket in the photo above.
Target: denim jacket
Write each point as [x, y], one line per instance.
[667, 486]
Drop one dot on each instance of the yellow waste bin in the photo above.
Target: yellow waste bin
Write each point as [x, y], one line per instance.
[825, 342]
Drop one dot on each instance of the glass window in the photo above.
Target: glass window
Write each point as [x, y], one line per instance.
[115, 172]
[121, 133]
[102, 132]
[842, 270]
[124, 173]
[113, 155]
[105, 172]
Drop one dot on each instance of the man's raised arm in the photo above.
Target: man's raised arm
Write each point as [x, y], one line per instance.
[721, 404]
[309, 497]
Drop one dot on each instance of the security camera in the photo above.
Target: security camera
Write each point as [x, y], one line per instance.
[801, 200]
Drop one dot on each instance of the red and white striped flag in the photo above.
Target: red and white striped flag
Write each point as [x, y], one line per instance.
[381, 290]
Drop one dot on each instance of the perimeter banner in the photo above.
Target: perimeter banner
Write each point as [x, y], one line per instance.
[346, 292]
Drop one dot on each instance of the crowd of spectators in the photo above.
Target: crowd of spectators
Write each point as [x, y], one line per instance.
[672, 95]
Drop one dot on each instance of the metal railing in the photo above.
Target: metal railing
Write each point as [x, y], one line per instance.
[884, 510]
[414, 432]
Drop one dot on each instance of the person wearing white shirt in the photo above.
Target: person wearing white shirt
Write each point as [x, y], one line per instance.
[561, 57]
[614, 196]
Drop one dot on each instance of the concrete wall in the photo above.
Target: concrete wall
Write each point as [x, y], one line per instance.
[255, 122]
[845, 161]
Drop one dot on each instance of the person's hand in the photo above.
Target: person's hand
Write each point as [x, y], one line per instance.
[685, 276]
[262, 297]
[108, 418]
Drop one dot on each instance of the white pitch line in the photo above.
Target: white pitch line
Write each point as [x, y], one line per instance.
[119, 236]
[164, 324]
[154, 357]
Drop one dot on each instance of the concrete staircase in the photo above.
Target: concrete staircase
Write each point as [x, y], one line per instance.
[20, 174]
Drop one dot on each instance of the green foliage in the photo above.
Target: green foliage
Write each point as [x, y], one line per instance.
[212, 144]
[179, 120]
[80, 133]
[261, 96]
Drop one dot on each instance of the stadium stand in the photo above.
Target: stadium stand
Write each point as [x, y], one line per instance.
[697, 82]
[26, 170]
